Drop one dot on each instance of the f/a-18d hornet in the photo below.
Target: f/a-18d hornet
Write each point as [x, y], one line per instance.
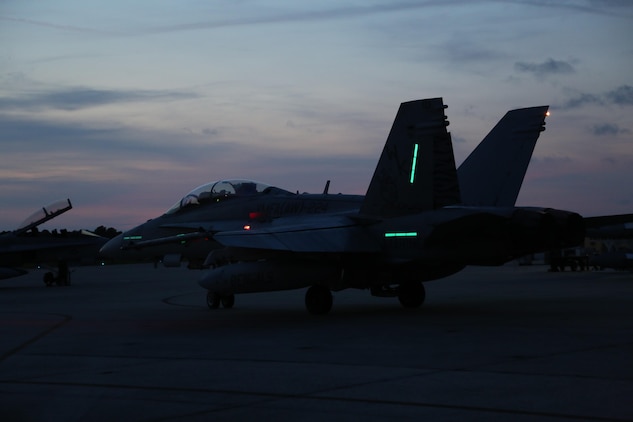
[491, 176]
[411, 226]
[26, 245]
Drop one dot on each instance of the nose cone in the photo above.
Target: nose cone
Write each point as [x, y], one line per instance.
[112, 248]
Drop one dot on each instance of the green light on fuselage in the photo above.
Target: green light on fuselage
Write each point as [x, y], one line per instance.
[132, 237]
[401, 234]
[414, 163]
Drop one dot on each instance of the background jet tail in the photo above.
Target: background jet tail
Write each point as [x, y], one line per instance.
[493, 173]
[416, 170]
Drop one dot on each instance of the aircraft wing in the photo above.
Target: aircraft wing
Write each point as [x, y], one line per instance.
[179, 238]
[22, 245]
[610, 226]
[16, 251]
[200, 226]
[194, 230]
[327, 235]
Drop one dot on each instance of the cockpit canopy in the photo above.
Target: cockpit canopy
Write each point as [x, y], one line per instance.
[223, 189]
[45, 214]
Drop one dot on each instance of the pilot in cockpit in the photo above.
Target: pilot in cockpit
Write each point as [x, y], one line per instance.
[246, 188]
[189, 200]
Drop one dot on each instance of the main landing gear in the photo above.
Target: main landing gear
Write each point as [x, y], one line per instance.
[411, 295]
[62, 278]
[215, 299]
[318, 300]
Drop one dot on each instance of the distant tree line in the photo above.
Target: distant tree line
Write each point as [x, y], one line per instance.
[107, 232]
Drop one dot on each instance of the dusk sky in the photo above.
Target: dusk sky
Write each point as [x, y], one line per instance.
[125, 106]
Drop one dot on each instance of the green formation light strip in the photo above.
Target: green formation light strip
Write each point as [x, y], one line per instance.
[401, 234]
[415, 162]
[132, 237]
[182, 242]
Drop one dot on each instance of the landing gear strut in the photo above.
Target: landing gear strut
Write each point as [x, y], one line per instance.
[411, 295]
[318, 300]
[214, 300]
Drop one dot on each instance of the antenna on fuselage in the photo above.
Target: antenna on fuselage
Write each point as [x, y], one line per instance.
[327, 187]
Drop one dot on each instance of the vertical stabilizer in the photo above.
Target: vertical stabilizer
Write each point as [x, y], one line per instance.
[416, 170]
[493, 173]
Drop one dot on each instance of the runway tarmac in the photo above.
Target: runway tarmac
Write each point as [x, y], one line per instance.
[134, 343]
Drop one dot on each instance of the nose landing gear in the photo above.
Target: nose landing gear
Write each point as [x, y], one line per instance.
[214, 300]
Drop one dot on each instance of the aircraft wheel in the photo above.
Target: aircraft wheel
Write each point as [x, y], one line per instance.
[411, 295]
[228, 301]
[213, 300]
[318, 300]
[49, 279]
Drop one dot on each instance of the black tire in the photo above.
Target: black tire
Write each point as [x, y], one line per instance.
[411, 295]
[228, 301]
[213, 300]
[318, 300]
[49, 279]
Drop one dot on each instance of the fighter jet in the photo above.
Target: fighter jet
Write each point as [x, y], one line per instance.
[491, 176]
[26, 245]
[411, 226]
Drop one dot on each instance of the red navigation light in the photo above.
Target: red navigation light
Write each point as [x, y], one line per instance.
[255, 215]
